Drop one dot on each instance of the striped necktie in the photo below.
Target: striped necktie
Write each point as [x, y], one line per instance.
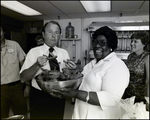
[53, 62]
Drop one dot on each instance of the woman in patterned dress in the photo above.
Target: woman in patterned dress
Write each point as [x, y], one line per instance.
[138, 64]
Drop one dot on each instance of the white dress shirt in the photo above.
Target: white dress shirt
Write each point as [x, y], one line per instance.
[34, 53]
[108, 78]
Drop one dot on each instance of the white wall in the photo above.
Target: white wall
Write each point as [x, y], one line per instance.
[80, 26]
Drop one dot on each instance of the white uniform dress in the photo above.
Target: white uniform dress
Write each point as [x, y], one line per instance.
[108, 78]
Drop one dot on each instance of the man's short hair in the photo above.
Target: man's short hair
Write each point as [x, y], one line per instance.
[53, 22]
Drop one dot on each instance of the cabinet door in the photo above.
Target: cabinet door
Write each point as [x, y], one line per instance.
[20, 38]
[33, 27]
[31, 40]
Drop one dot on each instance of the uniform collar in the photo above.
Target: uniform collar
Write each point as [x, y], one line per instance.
[106, 59]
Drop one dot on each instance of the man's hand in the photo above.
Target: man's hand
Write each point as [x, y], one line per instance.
[70, 64]
[27, 91]
[41, 61]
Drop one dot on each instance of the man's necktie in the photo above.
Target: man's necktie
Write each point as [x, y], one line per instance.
[53, 62]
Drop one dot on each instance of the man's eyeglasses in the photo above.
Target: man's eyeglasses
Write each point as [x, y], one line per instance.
[101, 43]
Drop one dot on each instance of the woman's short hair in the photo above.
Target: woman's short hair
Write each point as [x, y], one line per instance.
[143, 36]
[110, 35]
[53, 22]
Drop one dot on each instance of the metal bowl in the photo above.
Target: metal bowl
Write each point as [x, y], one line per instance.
[47, 86]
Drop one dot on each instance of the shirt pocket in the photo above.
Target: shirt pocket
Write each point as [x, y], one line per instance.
[12, 58]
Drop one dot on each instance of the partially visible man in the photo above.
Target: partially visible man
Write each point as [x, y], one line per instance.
[12, 90]
[39, 40]
[44, 105]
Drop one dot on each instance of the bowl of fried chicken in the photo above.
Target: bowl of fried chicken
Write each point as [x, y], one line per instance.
[54, 79]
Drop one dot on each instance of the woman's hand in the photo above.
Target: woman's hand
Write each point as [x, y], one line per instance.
[65, 93]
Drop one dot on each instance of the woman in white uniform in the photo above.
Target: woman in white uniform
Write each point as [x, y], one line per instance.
[105, 80]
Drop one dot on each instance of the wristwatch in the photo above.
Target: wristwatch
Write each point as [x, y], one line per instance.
[87, 97]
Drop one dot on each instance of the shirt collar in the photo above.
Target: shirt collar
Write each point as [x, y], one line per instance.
[106, 59]
[46, 48]
[6, 43]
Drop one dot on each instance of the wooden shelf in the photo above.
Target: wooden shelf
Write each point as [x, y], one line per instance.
[70, 39]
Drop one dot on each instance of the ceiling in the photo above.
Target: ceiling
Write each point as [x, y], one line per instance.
[74, 10]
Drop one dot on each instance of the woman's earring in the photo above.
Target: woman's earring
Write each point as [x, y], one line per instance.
[110, 49]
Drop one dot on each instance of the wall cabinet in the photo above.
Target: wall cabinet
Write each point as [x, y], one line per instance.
[33, 26]
[32, 29]
[30, 39]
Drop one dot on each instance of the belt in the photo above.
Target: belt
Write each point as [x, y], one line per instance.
[40, 91]
[14, 83]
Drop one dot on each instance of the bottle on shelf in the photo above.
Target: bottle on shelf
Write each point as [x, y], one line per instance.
[69, 31]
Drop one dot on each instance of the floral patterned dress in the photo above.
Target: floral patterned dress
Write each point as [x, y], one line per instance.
[137, 84]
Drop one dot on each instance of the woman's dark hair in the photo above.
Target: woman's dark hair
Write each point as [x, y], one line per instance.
[110, 35]
[144, 37]
[53, 22]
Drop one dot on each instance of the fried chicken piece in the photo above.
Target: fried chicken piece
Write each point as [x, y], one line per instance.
[55, 75]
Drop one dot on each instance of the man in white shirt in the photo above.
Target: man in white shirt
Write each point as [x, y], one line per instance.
[45, 106]
[13, 92]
